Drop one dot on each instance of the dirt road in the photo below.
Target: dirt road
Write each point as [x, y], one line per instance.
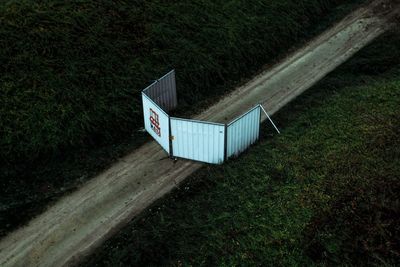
[78, 223]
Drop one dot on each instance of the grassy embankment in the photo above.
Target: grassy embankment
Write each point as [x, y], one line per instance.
[325, 191]
[71, 73]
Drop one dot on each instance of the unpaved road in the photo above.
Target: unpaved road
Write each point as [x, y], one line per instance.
[78, 223]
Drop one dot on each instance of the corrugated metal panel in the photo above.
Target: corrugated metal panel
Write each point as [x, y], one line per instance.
[191, 139]
[243, 132]
[197, 140]
[163, 92]
[156, 122]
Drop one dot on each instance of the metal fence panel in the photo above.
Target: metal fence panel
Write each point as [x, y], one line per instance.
[163, 92]
[156, 122]
[197, 140]
[243, 132]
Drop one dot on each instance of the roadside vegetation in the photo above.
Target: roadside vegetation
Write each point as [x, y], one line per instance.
[71, 74]
[324, 192]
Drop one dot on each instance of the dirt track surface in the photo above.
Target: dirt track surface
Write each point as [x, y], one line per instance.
[80, 222]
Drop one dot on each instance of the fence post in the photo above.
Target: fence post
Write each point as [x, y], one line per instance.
[226, 143]
[259, 123]
[171, 151]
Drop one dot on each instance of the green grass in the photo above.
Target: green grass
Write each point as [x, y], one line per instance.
[71, 73]
[324, 192]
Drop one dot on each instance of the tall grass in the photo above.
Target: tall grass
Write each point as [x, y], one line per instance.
[71, 71]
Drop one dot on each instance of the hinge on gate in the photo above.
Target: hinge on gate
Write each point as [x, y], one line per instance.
[171, 137]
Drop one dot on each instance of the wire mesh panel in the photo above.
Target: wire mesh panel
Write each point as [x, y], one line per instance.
[243, 132]
[163, 92]
[197, 140]
[156, 122]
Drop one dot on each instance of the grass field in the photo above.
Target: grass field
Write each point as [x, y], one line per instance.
[324, 192]
[72, 71]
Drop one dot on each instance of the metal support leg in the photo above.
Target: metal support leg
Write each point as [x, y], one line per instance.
[269, 118]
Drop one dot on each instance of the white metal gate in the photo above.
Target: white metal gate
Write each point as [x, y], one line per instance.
[156, 122]
[243, 132]
[198, 140]
[163, 92]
